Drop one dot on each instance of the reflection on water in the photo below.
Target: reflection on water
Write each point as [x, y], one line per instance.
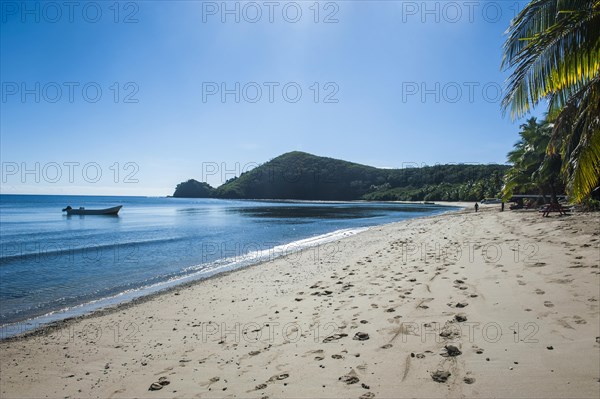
[355, 211]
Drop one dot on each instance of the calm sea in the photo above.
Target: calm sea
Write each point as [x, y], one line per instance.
[54, 266]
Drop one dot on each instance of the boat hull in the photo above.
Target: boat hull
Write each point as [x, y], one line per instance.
[108, 211]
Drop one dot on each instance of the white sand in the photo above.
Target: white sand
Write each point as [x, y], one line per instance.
[529, 283]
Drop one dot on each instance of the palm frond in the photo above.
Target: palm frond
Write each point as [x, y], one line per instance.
[576, 136]
[553, 46]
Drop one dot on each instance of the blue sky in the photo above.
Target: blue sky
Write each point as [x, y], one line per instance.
[127, 100]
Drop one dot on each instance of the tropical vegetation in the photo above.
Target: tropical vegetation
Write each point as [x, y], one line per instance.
[553, 49]
[193, 189]
[302, 176]
[533, 169]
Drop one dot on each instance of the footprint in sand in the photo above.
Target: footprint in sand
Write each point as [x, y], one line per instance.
[334, 337]
[278, 377]
[539, 291]
[538, 264]
[361, 336]
[440, 376]
[562, 281]
[548, 304]
[460, 317]
[315, 352]
[421, 305]
[350, 378]
[469, 380]
[451, 351]
[450, 331]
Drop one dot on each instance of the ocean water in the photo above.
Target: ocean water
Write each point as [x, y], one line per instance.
[54, 266]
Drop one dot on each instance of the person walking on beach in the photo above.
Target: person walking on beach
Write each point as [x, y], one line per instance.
[502, 207]
[476, 207]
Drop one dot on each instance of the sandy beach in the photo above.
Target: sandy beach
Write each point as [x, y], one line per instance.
[488, 304]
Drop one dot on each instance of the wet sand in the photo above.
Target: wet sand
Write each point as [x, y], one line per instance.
[460, 305]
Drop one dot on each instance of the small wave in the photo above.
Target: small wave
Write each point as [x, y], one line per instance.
[197, 272]
[24, 252]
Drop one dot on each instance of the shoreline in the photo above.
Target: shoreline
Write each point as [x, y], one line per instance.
[44, 328]
[41, 328]
[363, 318]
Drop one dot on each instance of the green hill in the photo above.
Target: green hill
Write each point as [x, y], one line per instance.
[193, 189]
[302, 176]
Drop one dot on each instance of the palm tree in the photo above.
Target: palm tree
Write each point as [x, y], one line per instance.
[532, 167]
[554, 48]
